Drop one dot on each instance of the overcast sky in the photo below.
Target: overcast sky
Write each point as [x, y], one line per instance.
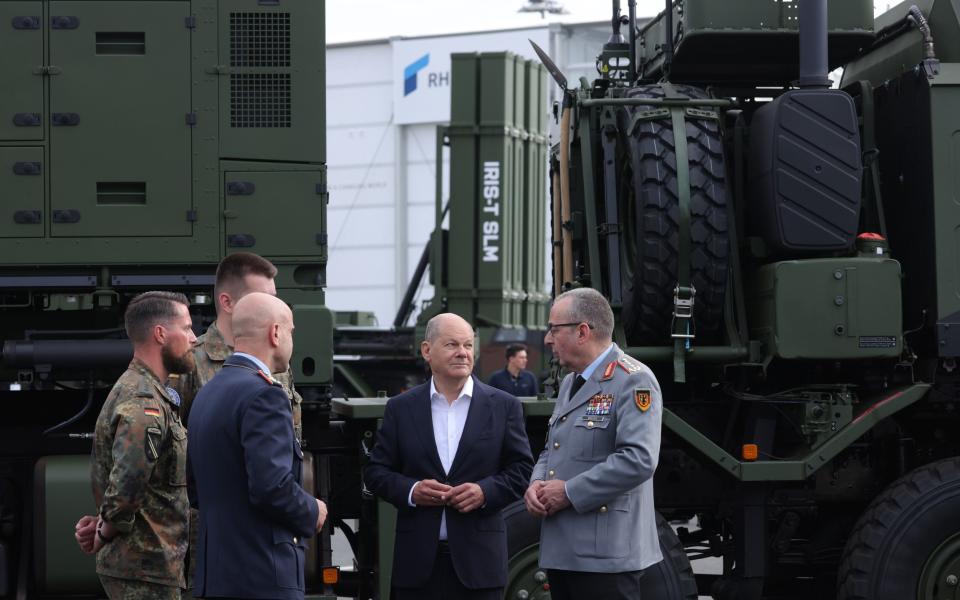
[352, 20]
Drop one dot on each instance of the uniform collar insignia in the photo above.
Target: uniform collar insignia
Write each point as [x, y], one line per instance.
[608, 372]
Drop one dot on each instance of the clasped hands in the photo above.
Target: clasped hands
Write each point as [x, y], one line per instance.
[86, 533]
[545, 498]
[464, 497]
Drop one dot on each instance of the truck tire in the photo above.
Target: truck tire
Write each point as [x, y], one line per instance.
[650, 198]
[670, 579]
[902, 544]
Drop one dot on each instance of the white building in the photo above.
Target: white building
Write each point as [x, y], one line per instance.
[385, 99]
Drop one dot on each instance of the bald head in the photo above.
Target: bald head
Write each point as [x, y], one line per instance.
[444, 322]
[263, 327]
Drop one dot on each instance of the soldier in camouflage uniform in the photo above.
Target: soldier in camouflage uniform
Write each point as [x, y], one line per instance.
[139, 459]
[237, 275]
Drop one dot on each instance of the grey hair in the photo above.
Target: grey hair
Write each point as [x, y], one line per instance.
[587, 305]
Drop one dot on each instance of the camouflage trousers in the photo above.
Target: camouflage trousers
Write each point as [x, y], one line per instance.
[129, 589]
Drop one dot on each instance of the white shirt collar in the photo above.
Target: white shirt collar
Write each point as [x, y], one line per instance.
[467, 389]
[596, 363]
[262, 365]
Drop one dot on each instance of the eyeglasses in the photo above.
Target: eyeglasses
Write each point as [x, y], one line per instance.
[552, 326]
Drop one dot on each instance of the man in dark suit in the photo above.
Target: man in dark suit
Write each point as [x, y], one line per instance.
[450, 455]
[245, 466]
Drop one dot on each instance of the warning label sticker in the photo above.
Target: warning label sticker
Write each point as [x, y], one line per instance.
[877, 341]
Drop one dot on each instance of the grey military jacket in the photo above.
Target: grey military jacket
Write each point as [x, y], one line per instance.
[604, 443]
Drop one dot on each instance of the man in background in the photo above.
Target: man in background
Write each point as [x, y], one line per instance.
[238, 274]
[514, 378]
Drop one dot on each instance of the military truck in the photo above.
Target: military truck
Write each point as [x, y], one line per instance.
[782, 251]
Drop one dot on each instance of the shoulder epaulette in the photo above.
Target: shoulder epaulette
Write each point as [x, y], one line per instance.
[630, 364]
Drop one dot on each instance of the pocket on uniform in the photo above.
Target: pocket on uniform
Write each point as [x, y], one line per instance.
[178, 442]
[592, 438]
[288, 559]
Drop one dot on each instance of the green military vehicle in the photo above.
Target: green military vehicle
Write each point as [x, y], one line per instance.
[782, 254]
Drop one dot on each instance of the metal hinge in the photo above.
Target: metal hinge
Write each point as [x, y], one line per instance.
[26, 119]
[27, 168]
[321, 189]
[65, 119]
[192, 216]
[241, 240]
[240, 188]
[191, 119]
[66, 216]
[321, 239]
[190, 22]
[64, 22]
[25, 22]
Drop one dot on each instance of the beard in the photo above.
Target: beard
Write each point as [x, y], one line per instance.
[177, 364]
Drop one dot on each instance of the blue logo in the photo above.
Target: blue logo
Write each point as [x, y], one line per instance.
[410, 74]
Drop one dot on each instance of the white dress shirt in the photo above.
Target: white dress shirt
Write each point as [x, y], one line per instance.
[448, 418]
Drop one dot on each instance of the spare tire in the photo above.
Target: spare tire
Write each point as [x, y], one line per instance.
[649, 197]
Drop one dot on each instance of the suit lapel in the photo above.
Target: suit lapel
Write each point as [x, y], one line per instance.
[423, 423]
[477, 416]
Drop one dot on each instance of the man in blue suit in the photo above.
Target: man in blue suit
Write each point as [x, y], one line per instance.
[245, 466]
[450, 455]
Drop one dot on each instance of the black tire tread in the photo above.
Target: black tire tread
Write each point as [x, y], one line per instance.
[881, 516]
[648, 297]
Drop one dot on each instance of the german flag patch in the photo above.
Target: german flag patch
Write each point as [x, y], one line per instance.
[151, 412]
[642, 399]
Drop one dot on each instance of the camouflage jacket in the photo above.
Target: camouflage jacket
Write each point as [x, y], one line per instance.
[139, 476]
[208, 354]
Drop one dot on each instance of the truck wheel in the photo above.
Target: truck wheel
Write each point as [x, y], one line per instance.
[650, 198]
[907, 543]
[670, 579]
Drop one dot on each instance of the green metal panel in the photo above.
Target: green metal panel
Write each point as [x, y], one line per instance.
[497, 171]
[514, 202]
[490, 188]
[945, 168]
[99, 167]
[276, 213]
[22, 52]
[534, 232]
[767, 15]
[838, 308]
[312, 360]
[62, 494]
[22, 196]
[271, 71]
[464, 234]
[714, 36]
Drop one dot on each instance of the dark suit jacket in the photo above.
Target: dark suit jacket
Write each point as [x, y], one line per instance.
[245, 469]
[493, 453]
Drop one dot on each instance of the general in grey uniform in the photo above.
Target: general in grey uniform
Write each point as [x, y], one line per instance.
[593, 483]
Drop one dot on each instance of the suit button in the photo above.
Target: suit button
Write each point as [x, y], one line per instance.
[294, 539]
[589, 424]
[556, 444]
[603, 509]
[563, 419]
[551, 472]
